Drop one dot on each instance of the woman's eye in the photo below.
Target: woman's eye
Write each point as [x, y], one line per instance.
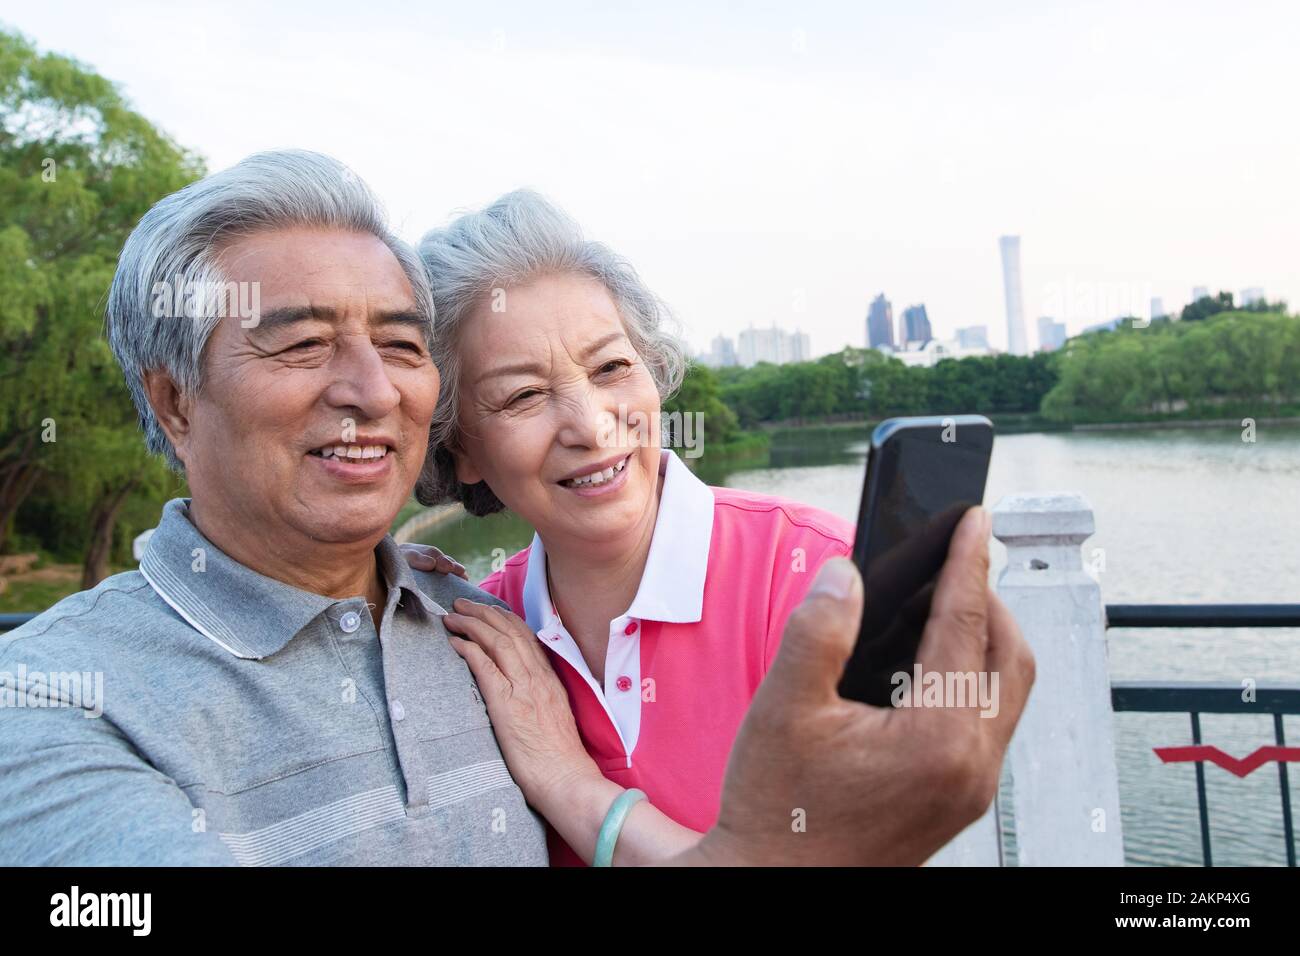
[522, 396]
[614, 365]
[305, 344]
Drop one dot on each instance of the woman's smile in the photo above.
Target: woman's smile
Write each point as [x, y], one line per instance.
[601, 480]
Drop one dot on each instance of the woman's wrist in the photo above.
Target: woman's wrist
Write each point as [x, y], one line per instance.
[612, 826]
[574, 787]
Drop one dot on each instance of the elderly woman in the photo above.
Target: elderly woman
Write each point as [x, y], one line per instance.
[659, 600]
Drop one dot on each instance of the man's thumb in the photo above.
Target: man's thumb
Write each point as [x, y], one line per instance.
[820, 633]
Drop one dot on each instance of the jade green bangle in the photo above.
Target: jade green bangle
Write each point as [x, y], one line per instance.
[613, 825]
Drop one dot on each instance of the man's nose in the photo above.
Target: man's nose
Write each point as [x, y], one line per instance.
[362, 381]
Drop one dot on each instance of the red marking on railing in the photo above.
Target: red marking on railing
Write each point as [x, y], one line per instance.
[1214, 755]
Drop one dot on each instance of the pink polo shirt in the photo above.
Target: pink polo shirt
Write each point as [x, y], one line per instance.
[724, 572]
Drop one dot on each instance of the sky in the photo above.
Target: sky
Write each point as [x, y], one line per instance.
[775, 163]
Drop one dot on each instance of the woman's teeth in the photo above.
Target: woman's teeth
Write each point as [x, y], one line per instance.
[596, 477]
[352, 452]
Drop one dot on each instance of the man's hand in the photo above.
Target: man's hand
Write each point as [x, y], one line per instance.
[817, 779]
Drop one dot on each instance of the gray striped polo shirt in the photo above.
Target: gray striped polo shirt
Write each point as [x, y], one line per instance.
[197, 712]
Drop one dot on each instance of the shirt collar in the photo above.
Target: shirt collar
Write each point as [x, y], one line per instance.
[672, 584]
[246, 613]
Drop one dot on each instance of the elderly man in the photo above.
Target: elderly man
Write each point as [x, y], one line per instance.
[278, 685]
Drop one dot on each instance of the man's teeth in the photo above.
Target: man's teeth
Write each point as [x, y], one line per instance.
[352, 452]
[596, 477]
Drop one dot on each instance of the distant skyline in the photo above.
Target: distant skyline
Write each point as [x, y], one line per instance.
[775, 165]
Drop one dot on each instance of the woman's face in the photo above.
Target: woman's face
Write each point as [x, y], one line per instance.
[552, 397]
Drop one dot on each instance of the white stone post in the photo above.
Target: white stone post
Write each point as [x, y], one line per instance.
[980, 844]
[1064, 779]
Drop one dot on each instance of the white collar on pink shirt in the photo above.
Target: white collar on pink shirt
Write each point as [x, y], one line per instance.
[672, 585]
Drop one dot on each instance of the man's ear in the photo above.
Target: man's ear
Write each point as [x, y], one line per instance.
[172, 409]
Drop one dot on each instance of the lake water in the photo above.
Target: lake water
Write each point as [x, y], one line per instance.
[1183, 516]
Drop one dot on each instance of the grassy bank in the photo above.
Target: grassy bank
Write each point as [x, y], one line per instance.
[47, 583]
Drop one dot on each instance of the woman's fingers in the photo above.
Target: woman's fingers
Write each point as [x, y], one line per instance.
[529, 708]
[509, 624]
[425, 557]
[489, 632]
[486, 673]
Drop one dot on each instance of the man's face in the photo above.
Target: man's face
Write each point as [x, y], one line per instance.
[312, 423]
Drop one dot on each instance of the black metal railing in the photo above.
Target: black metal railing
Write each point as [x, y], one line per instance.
[1195, 699]
[9, 622]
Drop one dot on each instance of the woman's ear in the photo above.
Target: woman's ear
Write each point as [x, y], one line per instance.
[466, 473]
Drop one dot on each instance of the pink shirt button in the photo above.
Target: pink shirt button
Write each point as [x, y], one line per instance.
[624, 684]
[631, 628]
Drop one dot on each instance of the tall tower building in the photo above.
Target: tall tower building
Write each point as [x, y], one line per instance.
[915, 326]
[880, 323]
[1017, 344]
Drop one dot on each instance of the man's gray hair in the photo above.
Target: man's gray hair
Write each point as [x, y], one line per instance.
[517, 238]
[176, 246]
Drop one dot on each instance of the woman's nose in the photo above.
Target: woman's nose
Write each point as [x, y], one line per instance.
[586, 418]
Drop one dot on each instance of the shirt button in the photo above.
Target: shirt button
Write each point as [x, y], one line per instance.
[631, 628]
[350, 621]
[624, 684]
[397, 710]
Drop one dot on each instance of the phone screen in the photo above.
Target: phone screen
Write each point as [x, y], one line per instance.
[922, 476]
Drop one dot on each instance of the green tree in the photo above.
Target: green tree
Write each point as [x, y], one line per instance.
[701, 392]
[1206, 306]
[78, 168]
[1227, 360]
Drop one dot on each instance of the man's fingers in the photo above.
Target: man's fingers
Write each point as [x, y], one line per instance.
[956, 636]
[1011, 659]
[819, 636]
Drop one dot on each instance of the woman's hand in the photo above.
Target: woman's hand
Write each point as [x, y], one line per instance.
[526, 702]
[425, 557]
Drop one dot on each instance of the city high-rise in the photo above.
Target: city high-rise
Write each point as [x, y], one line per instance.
[1017, 344]
[880, 323]
[915, 326]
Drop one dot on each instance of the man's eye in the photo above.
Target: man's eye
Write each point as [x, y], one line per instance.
[305, 344]
[408, 345]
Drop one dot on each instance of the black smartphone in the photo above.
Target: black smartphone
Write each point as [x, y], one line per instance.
[923, 474]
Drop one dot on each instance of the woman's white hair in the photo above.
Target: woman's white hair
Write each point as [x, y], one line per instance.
[516, 238]
[179, 240]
